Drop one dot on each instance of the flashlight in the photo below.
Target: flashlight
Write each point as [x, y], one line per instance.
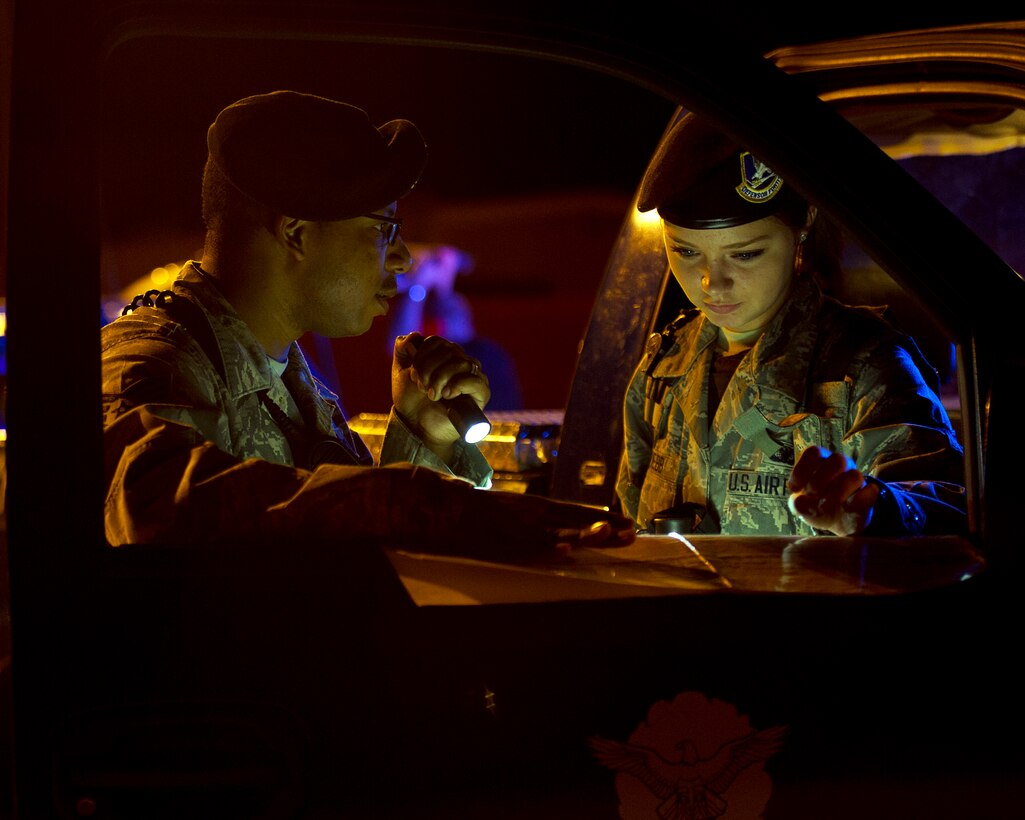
[467, 418]
[465, 415]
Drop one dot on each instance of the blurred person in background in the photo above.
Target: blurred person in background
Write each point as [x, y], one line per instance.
[428, 302]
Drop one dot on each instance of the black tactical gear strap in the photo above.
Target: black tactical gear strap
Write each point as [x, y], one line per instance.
[309, 450]
[657, 345]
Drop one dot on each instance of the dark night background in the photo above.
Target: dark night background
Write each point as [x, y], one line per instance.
[532, 165]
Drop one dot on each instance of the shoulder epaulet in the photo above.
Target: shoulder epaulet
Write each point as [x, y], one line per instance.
[151, 298]
[187, 314]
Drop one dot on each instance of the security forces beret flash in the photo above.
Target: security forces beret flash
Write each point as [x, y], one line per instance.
[313, 158]
[700, 178]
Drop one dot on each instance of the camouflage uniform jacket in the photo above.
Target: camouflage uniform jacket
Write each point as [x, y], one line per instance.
[197, 442]
[822, 374]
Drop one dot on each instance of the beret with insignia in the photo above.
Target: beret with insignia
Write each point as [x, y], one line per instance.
[700, 178]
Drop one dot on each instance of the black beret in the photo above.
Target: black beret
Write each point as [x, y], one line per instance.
[700, 178]
[313, 158]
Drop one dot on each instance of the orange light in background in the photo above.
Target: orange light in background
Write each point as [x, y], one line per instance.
[648, 220]
[160, 278]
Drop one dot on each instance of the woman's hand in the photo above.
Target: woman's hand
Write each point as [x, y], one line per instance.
[830, 493]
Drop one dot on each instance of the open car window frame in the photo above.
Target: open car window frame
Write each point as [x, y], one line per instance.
[54, 456]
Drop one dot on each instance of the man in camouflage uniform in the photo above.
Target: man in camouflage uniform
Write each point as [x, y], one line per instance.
[214, 426]
[824, 420]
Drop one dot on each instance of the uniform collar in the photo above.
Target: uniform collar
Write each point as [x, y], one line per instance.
[778, 360]
[245, 362]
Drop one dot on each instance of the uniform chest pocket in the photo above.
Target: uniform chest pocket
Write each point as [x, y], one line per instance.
[817, 431]
[825, 424]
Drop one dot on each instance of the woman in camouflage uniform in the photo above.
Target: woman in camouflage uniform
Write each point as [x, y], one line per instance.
[768, 407]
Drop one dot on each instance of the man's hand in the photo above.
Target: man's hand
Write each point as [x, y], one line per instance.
[509, 525]
[444, 515]
[828, 492]
[425, 372]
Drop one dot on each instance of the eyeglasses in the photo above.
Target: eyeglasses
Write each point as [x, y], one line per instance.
[391, 231]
